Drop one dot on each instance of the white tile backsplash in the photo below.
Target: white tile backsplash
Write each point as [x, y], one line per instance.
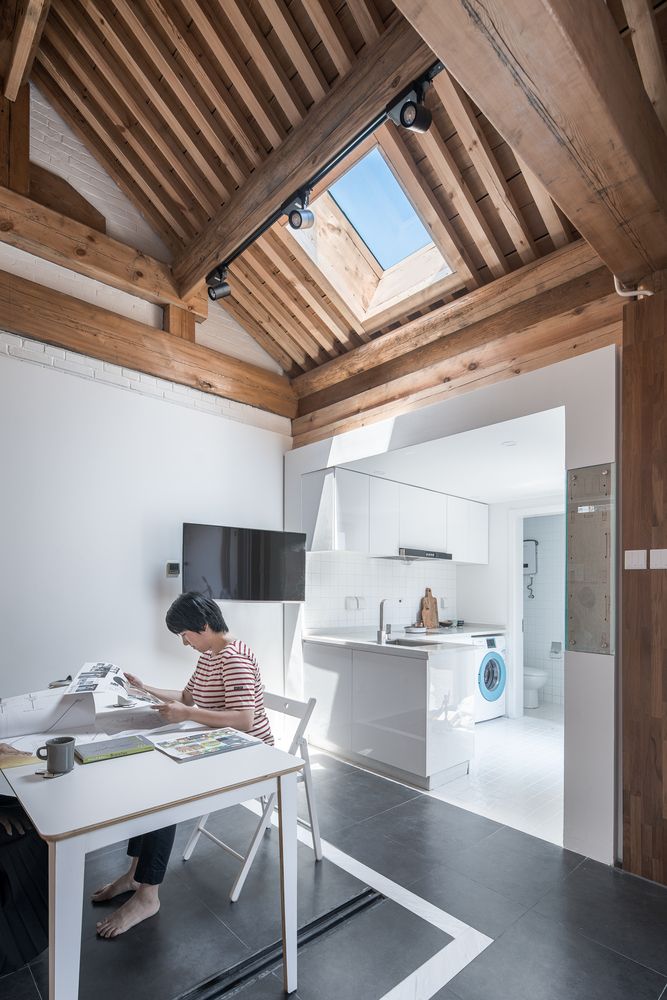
[544, 617]
[331, 577]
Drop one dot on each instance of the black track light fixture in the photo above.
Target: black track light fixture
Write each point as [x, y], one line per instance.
[299, 215]
[411, 112]
[218, 286]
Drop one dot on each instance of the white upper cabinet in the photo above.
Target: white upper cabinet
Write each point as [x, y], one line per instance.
[478, 532]
[457, 528]
[352, 511]
[317, 510]
[422, 518]
[384, 517]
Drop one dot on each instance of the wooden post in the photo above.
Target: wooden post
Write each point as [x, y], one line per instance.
[15, 141]
[178, 322]
[644, 591]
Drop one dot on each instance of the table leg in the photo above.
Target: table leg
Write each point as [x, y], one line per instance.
[66, 866]
[288, 874]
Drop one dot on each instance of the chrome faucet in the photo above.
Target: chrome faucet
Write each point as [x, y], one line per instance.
[383, 630]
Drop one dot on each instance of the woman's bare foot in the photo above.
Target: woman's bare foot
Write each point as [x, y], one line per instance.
[144, 904]
[123, 884]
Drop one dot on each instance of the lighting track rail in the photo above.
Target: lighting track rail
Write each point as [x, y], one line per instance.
[407, 110]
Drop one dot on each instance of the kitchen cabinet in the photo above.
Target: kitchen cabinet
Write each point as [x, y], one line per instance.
[352, 511]
[328, 678]
[467, 530]
[422, 519]
[478, 532]
[384, 517]
[335, 510]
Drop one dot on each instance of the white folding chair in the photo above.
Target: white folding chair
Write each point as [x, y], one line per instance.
[302, 711]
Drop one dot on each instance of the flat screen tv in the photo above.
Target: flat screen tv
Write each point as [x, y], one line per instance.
[244, 564]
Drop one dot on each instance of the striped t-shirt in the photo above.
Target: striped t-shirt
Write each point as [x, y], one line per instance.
[230, 681]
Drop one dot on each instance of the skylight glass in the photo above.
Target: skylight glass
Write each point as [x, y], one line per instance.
[375, 204]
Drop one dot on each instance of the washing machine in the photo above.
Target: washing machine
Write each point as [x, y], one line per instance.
[491, 676]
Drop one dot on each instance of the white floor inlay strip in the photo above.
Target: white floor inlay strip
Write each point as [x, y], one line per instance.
[435, 973]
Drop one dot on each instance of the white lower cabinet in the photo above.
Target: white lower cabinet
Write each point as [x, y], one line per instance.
[328, 678]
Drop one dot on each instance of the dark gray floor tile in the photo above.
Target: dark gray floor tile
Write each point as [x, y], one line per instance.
[620, 911]
[444, 994]
[485, 910]
[173, 951]
[398, 862]
[538, 958]
[366, 957]
[515, 864]
[356, 797]
[18, 986]
[266, 987]
[324, 767]
[432, 827]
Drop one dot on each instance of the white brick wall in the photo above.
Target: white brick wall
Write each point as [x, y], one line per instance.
[22, 349]
[544, 616]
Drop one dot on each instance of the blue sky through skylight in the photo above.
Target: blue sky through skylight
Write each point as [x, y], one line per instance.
[374, 202]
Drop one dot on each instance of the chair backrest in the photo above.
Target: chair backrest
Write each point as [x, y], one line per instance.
[301, 710]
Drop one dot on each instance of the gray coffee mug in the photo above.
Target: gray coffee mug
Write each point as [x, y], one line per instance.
[58, 754]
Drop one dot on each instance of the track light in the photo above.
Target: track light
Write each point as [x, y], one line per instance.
[299, 215]
[218, 286]
[411, 112]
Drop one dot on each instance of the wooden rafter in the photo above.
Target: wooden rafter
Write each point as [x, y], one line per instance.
[32, 310]
[51, 236]
[328, 126]
[555, 79]
[296, 48]
[545, 207]
[366, 18]
[248, 290]
[31, 17]
[329, 28]
[426, 204]
[650, 53]
[265, 340]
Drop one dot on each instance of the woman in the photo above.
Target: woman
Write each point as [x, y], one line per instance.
[225, 690]
[24, 883]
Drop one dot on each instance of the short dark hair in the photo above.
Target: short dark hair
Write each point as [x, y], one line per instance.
[192, 612]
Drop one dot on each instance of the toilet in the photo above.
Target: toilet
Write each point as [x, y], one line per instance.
[533, 682]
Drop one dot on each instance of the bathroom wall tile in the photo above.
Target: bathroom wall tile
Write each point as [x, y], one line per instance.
[544, 615]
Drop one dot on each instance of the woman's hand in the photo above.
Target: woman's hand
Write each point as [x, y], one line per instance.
[173, 711]
[135, 682]
[8, 820]
[9, 751]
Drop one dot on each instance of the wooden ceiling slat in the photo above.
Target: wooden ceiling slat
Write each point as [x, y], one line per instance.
[650, 53]
[266, 293]
[111, 136]
[253, 302]
[259, 335]
[255, 44]
[302, 273]
[234, 67]
[462, 200]
[181, 85]
[325, 346]
[296, 48]
[87, 36]
[366, 18]
[27, 34]
[465, 121]
[108, 100]
[329, 29]
[426, 205]
[79, 124]
[128, 56]
[545, 207]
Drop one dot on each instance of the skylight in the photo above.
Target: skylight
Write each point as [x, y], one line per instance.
[375, 204]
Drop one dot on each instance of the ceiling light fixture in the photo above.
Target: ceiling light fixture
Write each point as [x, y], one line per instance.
[508, 444]
[218, 286]
[411, 111]
[299, 215]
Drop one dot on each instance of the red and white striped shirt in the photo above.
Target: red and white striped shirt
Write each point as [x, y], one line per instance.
[231, 681]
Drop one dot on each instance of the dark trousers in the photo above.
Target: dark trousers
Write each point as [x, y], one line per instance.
[153, 850]
[24, 892]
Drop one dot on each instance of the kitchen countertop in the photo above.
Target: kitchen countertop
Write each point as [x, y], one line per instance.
[366, 638]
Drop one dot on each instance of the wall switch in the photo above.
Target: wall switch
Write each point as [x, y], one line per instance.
[173, 569]
[635, 559]
[658, 559]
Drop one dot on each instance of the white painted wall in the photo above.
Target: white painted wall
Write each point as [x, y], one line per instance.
[586, 388]
[97, 479]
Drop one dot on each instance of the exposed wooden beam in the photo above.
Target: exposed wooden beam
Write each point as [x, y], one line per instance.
[650, 53]
[545, 206]
[52, 236]
[391, 63]
[57, 194]
[31, 17]
[522, 285]
[330, 30]
[555, 79]
[178, 322]
[245, 292]
[32, 310]
[15, 141]
[367, 19]
[426, 205]
[464, 120]
[296, 48]
[260, 336]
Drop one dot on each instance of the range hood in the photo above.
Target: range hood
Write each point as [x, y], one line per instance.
[410, 554]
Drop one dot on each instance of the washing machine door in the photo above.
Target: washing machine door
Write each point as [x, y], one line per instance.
[492, 676]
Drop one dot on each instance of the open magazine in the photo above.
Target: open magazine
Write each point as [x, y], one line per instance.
[201, 743]
[101, 677]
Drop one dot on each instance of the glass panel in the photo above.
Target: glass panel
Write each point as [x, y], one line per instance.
[491, 675]
[375, 204]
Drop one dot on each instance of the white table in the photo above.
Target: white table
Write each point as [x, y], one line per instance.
[102, 803]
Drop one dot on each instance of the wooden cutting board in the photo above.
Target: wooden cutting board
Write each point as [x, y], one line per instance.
[429, 609]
